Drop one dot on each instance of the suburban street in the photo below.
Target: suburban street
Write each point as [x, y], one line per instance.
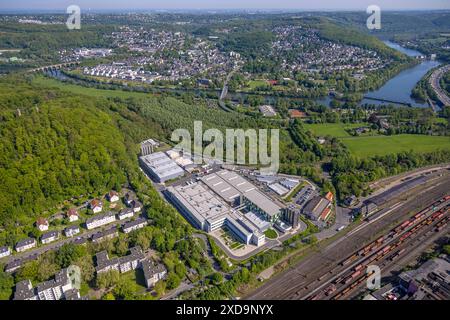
[35, 253]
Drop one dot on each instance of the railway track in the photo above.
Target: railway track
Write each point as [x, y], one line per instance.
[320, 268]
[388, 248]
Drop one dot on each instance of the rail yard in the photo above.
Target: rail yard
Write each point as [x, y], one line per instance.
[338, 270]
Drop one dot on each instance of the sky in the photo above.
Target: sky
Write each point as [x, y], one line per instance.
[224, 4]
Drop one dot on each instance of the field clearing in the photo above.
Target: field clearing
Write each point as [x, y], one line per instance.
[253, 84]
[382, 145]
[333, 129]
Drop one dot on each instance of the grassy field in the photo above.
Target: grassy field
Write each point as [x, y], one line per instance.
[382, 145]
[253, 84]
[332, 129]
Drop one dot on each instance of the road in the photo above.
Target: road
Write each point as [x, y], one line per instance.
[435, 84]
[34, 253]
[328, 255]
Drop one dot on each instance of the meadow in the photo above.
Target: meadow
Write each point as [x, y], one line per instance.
[382, 145]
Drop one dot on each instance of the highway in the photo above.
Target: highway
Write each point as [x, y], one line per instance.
[435, 84]
[302, 279]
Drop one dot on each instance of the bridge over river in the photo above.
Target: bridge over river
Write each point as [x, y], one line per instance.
[389, 101]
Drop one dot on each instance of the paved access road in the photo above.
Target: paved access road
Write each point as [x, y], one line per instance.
[287, 284]
[36, 252]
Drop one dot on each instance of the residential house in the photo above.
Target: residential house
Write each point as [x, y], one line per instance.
[125, 214]
[134, 225]
[136, 206]
[131, 261]
[24, 291]
[100, 220]
[42, 224]
[72, 215]
[13, 266]
[123, 264]
[71, 231]
[104, 264]
[153, 272]
[50, 237]
[55, 289]
[96, 206]
[25, 244]
[4, 252]
[105, 235]
[112, 196]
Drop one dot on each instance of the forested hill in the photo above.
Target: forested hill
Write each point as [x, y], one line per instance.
[53, 147]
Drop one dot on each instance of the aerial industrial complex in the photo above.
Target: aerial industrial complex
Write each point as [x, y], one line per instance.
[225, 199]
[160, 167]
[214, 198]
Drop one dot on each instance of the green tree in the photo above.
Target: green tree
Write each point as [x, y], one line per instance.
[68, 254]
[6, 284]
[217, 278]
[125, 290]
[173, 281]
[109, 296]
[106, 280]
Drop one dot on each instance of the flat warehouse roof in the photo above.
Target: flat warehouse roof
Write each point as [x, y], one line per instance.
[234, 222]
[257, 221]
[162, 165]
[263, 202]
[238, 182]
[220, 187]
[201, 202]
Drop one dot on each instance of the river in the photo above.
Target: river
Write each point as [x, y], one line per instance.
[400, 87]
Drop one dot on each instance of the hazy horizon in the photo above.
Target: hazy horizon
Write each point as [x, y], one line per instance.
[291, 5]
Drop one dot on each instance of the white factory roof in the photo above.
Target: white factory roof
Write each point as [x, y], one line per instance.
[279, 189]
[240, 225]
[184, 161]
[162, 165]
[220, 187]
[289, 183]
[238, 182]
[263, 202]
[173, 154]
[257, 221]
[201, 202]
[230, 185]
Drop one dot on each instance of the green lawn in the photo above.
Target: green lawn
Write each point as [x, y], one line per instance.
[271, 234]
[332, 129]
[382, 145]
[253, 84]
